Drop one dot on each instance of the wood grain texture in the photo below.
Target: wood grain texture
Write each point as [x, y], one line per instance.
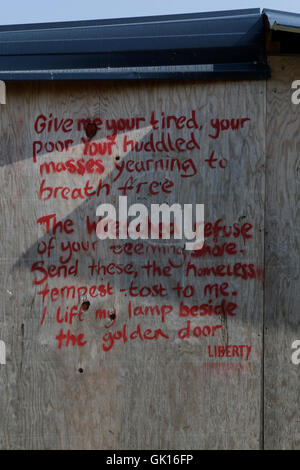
[282, 276]
[141, 395]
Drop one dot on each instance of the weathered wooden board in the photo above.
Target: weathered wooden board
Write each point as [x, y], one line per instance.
[282, 276]
[160, 394]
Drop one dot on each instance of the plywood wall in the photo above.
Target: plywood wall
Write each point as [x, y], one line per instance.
[169, 392]
[282, 281]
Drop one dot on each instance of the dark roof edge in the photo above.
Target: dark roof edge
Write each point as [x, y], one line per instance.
[129, 20]
[231, 43]
[240, 71]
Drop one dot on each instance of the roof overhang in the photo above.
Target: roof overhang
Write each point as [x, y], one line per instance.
[228, 44]
[282, 32]
[283, 21]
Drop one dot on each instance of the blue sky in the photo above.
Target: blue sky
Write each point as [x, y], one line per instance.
[33, 11]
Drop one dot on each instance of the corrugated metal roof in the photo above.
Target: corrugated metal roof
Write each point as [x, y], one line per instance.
[283, 21]
[201, 45]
